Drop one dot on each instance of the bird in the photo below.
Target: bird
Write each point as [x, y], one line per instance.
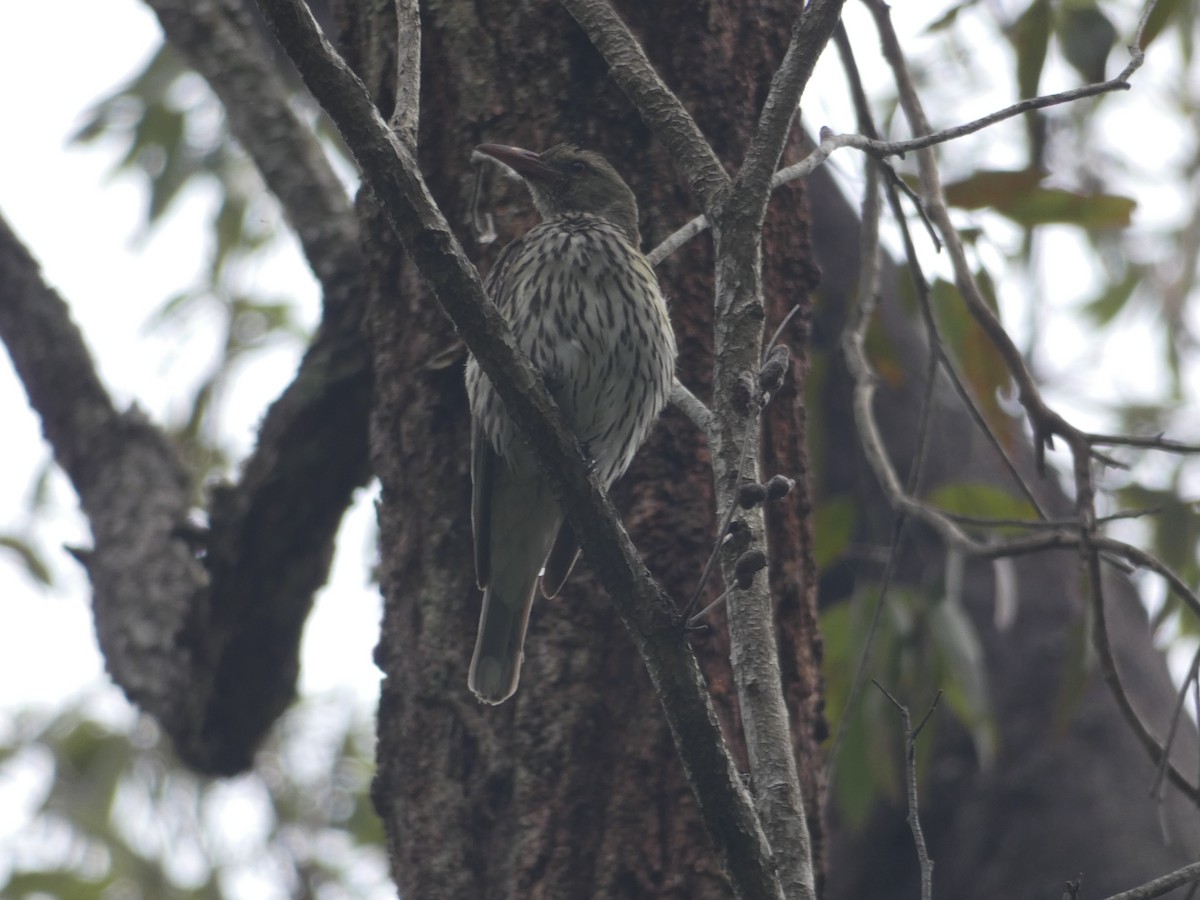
[585, 305]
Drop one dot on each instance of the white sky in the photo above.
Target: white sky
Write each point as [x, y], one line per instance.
[80, 225]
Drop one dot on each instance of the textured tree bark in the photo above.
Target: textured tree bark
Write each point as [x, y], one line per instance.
[571, 789]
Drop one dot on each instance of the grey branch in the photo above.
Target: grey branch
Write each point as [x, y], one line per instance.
[132, 487]
[406, 115]
[738, 342]
[223, 43]
[390, 171]
[658, 106]
[910, 784]
[810, 34]
[1160, 886]
[692, 407]
[271, 534]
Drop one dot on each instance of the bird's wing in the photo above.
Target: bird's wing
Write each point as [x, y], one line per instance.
[483, 456]
[560, 561]
[483, 464]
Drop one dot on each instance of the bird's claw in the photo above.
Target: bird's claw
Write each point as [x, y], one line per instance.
[588, 460]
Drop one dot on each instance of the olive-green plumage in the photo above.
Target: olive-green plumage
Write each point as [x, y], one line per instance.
[585, 305]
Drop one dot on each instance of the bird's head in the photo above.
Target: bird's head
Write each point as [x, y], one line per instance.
[567, 179]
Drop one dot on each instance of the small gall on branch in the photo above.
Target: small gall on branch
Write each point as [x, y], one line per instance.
[779, 486]
[775, 369]
[752, 494]
[747, 566]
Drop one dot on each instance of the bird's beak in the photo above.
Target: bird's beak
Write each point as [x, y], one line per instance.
[525, 163]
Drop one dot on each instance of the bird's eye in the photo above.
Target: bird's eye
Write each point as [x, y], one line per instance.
[578, 167]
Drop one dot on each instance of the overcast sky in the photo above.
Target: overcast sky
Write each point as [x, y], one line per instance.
[81, 226]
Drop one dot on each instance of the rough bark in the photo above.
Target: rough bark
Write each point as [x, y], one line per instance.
[572, 788]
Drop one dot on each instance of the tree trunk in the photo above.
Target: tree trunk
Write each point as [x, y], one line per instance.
[572, 788]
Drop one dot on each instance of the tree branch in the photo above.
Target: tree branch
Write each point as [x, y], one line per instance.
[407, 114]
[1160, 886]
[222, 42]
[738, 356]
[910, 785]
[658, 106]
[390, 171]
[272, 533]
[133, 489]
[810, 34]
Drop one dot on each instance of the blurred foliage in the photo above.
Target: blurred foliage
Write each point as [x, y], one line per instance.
[109, 813]
[925, 643]
[1088, 178]
[170, 131]
[1078, 185]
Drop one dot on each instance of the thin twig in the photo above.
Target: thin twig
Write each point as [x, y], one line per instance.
[831, 141]
[691, 406]
[1157, 787]
[1158, 442]
[910, 780]
[723, 526]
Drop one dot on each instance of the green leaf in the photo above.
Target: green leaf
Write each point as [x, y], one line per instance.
[61, 884]
[965, 685]
[1031, 38]
[833, 526]
[948, 18]
[1164, 11]
[978, 499]
[992, 188]
[1019, 196]
[1087, 37]
[980, 363]
[35, 567]
[1109, 303]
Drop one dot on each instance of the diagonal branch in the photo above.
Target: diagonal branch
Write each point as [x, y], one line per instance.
[272, 533]
[658, 106]
[811, 32]
[223, 42]
[133, 489]
[391, 173]
[1162, 885]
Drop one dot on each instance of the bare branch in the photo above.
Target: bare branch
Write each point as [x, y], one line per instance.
[133, 488]
[1158, 785]
[1160, 886]
[406, 115]
[1158, 442]
[390, 171]
[810, 34]
[910, 783]
[284, 512]
[692, 407]
[658, 106]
